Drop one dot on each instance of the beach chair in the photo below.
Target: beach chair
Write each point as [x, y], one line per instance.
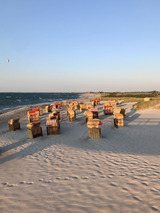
[147, 99]
[80, 102]
[14, 124]
[53, 127]
[56, 114]
[88, 106]
[34, 129]
[107, 110]
[83, 107]
[89, 115]
[38, 109]
[72, 106]
[48, 108]
[118, 120]
[123, 112]
[64, 103]
[120, 110]
[97, 102]
[76, 104]
[72, 115]
[94, 111]
[93, 128]
[58, 105]
[33, 116]
[113, 104]
[93, 103]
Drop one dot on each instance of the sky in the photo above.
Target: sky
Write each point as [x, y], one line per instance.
[79, 45]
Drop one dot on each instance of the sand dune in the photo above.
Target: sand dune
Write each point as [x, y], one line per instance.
[71, 173]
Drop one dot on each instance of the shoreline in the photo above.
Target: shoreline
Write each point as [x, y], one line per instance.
[33, 105]
[81, 97]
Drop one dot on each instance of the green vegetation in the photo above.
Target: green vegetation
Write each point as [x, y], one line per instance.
[146, 105]
[133, 97]
[104, 95]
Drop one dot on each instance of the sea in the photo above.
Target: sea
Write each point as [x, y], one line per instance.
[9, 101]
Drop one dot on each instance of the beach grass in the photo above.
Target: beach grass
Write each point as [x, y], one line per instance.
[153, 103]
[140, 104]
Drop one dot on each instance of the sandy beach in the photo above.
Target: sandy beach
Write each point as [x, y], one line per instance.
[71, 173]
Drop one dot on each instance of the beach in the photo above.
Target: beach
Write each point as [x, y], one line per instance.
[119, 172]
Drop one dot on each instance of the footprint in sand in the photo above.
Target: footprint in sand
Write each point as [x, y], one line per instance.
[29, 183]
[102, 176]
[22, 182]
[84, 177]
[125, 189]
[66, 178]
[25, 182]
[154, 190]
[5, 183]
[145, 183]
[97, 165]
[99, 172]
[93, 175]
[74, 177]
[58, 178]
[47, 181]
[8, 184]
[114, 184]
[155, 208]
[46, 161]
[136, 198]
[11, 185]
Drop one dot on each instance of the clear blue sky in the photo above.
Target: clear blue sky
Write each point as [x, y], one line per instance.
[79, 45]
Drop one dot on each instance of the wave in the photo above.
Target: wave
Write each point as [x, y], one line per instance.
[9, 101]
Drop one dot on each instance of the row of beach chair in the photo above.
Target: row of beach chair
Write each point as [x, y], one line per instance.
[34, 128]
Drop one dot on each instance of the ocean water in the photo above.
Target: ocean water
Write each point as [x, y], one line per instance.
[10, 101]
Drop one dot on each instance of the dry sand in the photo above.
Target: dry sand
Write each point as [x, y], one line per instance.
[71, 173]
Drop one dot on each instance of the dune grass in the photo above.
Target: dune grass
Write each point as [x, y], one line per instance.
[139, 105]
[123, 99]
[153, 103]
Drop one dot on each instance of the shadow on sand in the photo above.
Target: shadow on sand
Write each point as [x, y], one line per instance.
[137, 137]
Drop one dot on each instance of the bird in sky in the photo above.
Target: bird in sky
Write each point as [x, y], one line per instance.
[8, 60]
